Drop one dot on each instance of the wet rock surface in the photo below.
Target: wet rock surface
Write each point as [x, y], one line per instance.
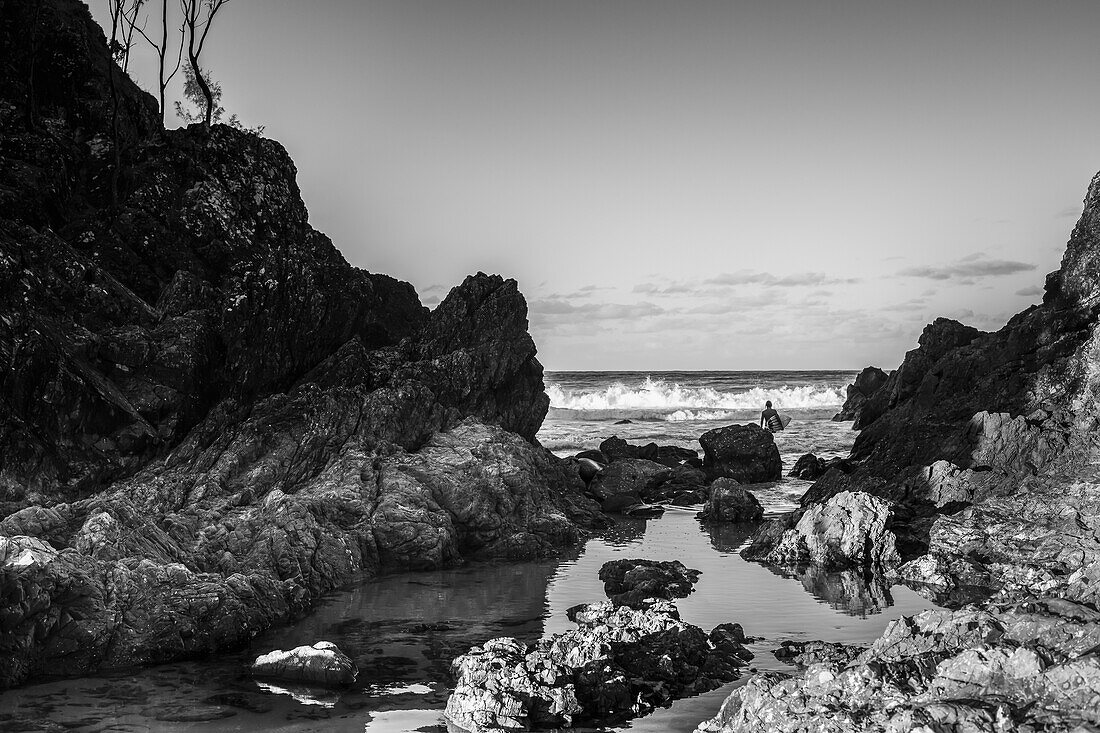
[620, 662]
[208, 418]
[730, 502]
[322, 663]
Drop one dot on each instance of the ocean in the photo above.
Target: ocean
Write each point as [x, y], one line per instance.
[675, 408]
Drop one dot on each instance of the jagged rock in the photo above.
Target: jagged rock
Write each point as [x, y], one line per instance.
[628, 477]
[630, 582]
[746, 453]
[847, 531]
[322, 663]
[618, 662]
[208, 418]
[868, 382]
[805, 653]
[730, 502]
[961, 670]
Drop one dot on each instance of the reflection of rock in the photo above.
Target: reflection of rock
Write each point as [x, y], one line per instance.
[854, 592]
[729, 536]
[618, 662]
[746, 453]
[730, 502]
[322, 663]
[629, 582]
[847, 531]
[1028, 666]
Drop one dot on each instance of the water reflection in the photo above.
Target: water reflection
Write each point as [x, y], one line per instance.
[850, 591]
[404, 630]
[728, 537]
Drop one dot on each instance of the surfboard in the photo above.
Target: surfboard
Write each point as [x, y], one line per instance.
[784, 421]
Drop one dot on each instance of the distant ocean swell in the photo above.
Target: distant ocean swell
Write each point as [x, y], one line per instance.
[674, 403]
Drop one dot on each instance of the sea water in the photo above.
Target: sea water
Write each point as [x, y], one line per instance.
[404, 629]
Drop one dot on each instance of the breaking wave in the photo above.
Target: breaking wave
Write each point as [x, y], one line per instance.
[678, 403]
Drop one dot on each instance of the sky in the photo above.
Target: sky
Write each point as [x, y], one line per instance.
[692, 184]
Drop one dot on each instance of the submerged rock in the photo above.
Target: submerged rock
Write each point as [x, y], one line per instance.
[730, 502]
[745, 453]
[619, 662]
[322, 663]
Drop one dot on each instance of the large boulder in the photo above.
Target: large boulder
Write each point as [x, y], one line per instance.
[847, 531]
[730, 502]
[322, 663]
[867, 383]
[745, 453]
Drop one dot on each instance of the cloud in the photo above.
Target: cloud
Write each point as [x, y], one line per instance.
[1030, 292]
[794, 280]
[583, 312]
[968, 268]
[1069, 211]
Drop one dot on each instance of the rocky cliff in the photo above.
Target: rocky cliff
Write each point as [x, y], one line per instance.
[983, 448]
[207, 416]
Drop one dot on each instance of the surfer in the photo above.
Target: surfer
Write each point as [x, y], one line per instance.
[769, 418]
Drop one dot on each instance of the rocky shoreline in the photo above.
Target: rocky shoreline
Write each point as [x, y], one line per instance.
[208, 419]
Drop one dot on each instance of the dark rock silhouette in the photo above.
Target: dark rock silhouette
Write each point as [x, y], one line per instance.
[745, 453]
[207, 416]
[615, 448]
[867, 383]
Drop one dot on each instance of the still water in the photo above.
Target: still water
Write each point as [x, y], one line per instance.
[403, 630]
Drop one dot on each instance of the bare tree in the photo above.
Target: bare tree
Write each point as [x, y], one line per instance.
[161, 47]
[198, 16]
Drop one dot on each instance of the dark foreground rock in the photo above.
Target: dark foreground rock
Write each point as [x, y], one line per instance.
[322, 663]
[867, 383]
[632, 582]
[745, 453]
[619, 662]
[730, 502]
[208, 418]
[1023, 666]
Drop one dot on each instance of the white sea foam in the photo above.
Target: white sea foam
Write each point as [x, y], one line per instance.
[686, 415]
[657, 394]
